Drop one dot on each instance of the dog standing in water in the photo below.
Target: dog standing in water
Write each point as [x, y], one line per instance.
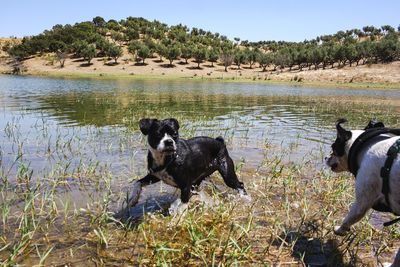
[365, 153]
[182, 163]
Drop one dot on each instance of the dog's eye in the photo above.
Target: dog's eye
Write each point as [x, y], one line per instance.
[173, 134]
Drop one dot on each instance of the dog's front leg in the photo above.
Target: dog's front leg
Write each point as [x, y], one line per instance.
[186, 193]
[137, 188]
[356, 213]
[365, 198]
[181, 204]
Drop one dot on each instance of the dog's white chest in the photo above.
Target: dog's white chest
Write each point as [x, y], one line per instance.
[166, 178]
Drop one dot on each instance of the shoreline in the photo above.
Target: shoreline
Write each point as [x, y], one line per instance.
[169, 77]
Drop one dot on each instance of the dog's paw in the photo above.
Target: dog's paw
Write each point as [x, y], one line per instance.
[244, 195]
[246, 198]
[177, 207]
[134, 194]
[387, 264]
[339, 230]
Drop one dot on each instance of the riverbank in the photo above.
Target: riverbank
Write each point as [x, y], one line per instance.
[377, 76]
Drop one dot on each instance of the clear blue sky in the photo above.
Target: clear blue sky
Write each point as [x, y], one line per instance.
[251, 20]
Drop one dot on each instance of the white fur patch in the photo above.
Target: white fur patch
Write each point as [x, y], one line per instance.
[158, 156]
[161, 145]
[245, 196]
[369, 181]
[158, 153]
[177, 207]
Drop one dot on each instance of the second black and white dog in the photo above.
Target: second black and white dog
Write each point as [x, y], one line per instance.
[369, 185]
[182, 163]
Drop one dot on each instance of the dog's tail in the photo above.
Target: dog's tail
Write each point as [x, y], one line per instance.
[220, 139]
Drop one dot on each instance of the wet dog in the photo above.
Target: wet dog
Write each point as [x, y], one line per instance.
[182, 163]
[369, 183]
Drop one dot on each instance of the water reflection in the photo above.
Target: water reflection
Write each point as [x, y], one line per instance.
[95, 121]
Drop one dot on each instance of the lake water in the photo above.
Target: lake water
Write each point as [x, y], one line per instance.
[64, 126]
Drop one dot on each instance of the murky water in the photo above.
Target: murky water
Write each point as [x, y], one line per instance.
[55, 125]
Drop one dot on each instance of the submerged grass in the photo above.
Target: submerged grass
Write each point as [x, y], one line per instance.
[62, 214]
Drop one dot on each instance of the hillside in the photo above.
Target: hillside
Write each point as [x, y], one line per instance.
[6, 44]
[46, 65]
[136, 46]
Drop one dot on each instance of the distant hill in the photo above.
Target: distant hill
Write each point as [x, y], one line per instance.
[143, 39]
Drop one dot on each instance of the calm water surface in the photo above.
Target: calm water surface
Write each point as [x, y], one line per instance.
[55, 127]
[96, 120]
[63, 130]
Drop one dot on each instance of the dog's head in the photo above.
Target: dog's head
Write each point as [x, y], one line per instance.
[338, 159]
[161, 135]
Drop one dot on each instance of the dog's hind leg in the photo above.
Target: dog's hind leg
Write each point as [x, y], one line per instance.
[227, 170]
[137, 188]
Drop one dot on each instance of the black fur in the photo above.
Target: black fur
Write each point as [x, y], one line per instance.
[192, 161]
[342, 137]
[374, 124]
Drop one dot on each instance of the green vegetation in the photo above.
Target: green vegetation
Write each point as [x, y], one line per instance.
[200, 54]
[367, 45]
[289, 221]
[172, 52]
[114, 52]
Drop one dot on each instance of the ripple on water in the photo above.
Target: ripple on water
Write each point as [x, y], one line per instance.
[58, 123]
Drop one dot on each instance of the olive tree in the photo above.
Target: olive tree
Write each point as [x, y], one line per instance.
[239, 57]
[161, 50]
[172, 52]
[186, 52]
[252, 56]
[114, 52]
[226, 58]
[99, 21]
[133, 47]
[143, 52]
[213, 55]
[200, 54]
[61, 57]
[265, 60]
[88, 53]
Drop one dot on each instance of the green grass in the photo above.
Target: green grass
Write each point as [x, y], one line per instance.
[294, 209]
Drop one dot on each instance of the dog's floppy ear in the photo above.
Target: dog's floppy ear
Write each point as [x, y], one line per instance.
[174, 123]
[342, 133]
[145, 125]
[374, 124]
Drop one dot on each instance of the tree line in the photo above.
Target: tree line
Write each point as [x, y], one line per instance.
[148, 39]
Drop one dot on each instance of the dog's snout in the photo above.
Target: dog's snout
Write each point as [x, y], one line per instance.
[168, 142]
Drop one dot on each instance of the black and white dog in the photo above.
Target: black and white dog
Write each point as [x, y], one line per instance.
[369, 184]
[182, 163]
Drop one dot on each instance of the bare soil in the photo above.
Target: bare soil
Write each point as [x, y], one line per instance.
[48, 65]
